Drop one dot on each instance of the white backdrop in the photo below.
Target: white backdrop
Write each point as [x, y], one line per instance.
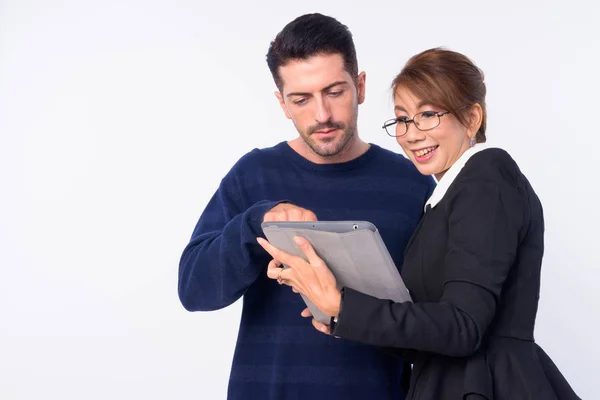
[119, 118]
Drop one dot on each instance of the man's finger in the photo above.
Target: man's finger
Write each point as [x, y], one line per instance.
[295, 214]
[309, 216]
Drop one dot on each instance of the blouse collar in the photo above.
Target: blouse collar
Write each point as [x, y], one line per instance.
[450, 175]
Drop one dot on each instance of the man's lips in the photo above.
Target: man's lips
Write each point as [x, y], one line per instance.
[325, 131]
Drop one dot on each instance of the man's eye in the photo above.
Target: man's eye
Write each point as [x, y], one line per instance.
[336, 93]
[299, 102]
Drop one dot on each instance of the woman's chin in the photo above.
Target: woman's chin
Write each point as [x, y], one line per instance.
[425, 169]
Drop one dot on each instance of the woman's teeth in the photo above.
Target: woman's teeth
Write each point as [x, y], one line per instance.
[423, 152]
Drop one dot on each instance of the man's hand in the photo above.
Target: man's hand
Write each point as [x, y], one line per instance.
[289, 212]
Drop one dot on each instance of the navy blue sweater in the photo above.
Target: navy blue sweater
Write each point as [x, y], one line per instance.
[279, 355]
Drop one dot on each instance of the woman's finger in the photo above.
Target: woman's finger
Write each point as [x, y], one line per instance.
[273, 269]
[308, 250]
[321, 327]
[279, 255]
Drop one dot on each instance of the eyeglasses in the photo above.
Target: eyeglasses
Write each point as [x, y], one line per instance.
[424, 121]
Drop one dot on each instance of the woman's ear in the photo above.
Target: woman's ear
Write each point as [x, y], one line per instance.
[475, 119]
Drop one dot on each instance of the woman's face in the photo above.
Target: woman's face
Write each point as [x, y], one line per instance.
[433, 151]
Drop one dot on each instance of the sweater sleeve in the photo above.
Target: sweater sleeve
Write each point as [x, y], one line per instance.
[223, 258]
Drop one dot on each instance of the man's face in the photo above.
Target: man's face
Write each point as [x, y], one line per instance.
[321, 99]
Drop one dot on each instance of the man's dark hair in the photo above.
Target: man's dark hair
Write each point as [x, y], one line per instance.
[310, 35]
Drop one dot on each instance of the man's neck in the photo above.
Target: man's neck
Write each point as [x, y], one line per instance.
[353, 150]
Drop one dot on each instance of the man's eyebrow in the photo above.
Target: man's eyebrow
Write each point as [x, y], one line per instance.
[323, 90]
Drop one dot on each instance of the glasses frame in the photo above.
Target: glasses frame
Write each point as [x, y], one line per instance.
[397, 120]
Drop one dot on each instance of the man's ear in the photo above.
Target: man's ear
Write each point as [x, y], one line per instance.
[361, 86]
[282, 104]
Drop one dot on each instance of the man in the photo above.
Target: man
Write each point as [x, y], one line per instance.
[326, 172]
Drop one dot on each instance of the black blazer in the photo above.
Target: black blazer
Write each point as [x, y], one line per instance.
[473, 270]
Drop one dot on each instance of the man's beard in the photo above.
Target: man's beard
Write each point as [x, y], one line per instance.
[335, 145]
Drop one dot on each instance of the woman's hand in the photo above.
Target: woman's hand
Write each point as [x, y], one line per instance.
[313, 279]
[321, 327]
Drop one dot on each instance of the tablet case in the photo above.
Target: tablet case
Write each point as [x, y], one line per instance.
[353, 251]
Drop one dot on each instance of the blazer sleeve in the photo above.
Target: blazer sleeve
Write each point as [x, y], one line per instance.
[485, 217]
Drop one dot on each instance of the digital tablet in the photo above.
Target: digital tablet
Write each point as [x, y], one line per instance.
[353, 251]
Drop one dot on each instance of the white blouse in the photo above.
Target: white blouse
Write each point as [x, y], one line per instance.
[450, 175]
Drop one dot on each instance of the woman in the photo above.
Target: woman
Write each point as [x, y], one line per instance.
[473, 264]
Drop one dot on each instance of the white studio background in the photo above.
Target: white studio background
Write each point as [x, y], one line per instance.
[119, 118]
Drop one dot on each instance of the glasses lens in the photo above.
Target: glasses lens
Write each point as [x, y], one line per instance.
[390, 127]
[401, 128]
[398, 129]
[427, 120]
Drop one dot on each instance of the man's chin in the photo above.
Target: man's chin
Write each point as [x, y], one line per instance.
[330, 149]
[327, 146]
